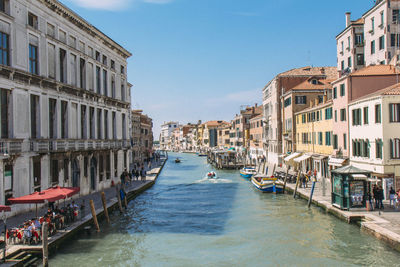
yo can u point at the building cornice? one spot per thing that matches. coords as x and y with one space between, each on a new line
81 23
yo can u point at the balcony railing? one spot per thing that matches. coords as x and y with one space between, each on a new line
11 146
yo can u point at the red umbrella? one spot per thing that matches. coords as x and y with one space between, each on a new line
5 208
50 195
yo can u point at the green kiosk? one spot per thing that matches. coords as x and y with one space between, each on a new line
349 187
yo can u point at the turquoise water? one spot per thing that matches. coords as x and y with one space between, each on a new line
185 220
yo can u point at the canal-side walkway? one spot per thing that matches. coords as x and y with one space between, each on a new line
383 224
85 219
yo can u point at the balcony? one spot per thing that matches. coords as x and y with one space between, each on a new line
8 147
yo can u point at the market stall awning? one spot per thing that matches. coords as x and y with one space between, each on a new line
48 195
350 170
292 156
359 177
336 162
303 157
5 208
319 157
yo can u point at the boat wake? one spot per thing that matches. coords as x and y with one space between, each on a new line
207 180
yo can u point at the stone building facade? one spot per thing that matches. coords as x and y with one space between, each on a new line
65 101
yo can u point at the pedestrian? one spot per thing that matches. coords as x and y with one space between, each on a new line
369 197
143 174
380 197
149 165
122 177
392 196
375 195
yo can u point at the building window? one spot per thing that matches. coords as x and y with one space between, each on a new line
360 59
356 116
334 92
122 91
66 167
342 89
114 125
85 166
395 16
54 171
372 24
63 66
52 118
32 20
35 116
98 56
395 148
382 18
91 123
82 73
365 115
101 168
301 100
335 141
112 64
335 115
122 69
303 118
64 119
105 82
378 148
328 113
378 113
105 124
113 86
4 49
4 6
394 112
320 138
104 60
328 138
33 59
83 122
382 42
115 164
99 128
365 148
123 127
288 102
342 65
4 116
394 40
372 47
72 41
359 39
349 62
73 70
345 141
343 114
98 80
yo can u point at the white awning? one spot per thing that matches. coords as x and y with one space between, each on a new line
359 176
336 162
319 157
304 157
291 156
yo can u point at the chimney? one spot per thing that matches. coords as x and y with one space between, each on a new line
348 19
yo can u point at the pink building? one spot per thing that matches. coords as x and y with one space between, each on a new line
347 88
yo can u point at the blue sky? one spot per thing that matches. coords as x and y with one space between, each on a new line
203 59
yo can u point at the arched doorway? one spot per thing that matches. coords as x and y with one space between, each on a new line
93 171
76 174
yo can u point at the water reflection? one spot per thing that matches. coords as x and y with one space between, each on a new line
184 221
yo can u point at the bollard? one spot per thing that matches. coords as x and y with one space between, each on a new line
119 199
311 194
297 184
284 182
96 223
45 244
103 198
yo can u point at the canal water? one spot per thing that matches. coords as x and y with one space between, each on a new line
186 220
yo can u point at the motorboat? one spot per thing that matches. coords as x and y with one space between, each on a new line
202 155
247 172
212 175
267 184
177 160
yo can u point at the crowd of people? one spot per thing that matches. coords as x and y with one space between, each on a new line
30 231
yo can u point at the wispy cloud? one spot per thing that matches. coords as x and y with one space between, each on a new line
247 97
113 5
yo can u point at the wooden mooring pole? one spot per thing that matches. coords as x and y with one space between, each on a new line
96 223
297 184
45 244
284 182
103 199
311 193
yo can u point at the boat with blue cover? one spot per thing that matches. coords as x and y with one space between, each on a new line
247 172
267 184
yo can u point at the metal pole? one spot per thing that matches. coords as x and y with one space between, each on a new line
5 240
311 194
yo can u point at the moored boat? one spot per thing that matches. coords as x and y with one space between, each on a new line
212 175
177 160
202 155
267 184
247 172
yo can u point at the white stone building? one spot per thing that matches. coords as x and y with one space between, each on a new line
65 101
381 32
350 46
166 133
374 135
